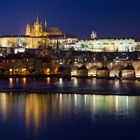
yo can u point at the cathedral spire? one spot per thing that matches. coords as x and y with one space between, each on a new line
45 24
93 35
37 19
28 30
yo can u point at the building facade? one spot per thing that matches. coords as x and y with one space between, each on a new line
107 45
39 35
38 30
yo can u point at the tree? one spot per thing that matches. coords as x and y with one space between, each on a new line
11 44
2 71
71 49
41 44
24 44
137 48
104 49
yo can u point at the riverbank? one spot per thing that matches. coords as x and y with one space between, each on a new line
65 77
65 93
82 86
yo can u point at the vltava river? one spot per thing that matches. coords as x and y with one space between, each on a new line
44 115
74 85
68 116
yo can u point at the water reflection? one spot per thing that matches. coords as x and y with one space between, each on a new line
117 84
75 82
48 80
37 110
72 85
24 81
11 84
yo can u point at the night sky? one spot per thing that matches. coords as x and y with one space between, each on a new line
110 18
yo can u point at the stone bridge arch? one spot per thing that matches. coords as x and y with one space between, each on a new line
137 70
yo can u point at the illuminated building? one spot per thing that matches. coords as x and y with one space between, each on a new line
37 30
24 64
64 41
107 45
37 35
93 35
27 42
40 36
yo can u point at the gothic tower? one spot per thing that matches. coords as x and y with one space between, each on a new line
28 30
45 29
37 28
93 35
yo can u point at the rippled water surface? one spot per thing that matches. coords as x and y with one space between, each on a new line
48 116
59 85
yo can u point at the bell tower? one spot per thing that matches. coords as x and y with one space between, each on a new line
93 35
37 28
45 29
28 30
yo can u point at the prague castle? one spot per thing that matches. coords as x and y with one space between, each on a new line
36 35
39 35
38 30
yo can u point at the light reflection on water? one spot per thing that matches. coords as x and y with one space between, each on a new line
35 108
11 83
24 81
73 85
68 115
40 113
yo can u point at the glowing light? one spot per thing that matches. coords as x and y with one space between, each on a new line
4 105
60 81
48 80
61 63
74 72
117 103
85 99
117 83
11 82
23 69
60 99
75 82
47 71
94 102
127 102
24 81
75 99
17 80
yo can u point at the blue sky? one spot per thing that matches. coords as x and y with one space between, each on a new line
110 18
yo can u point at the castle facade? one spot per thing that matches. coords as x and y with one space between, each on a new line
40 30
